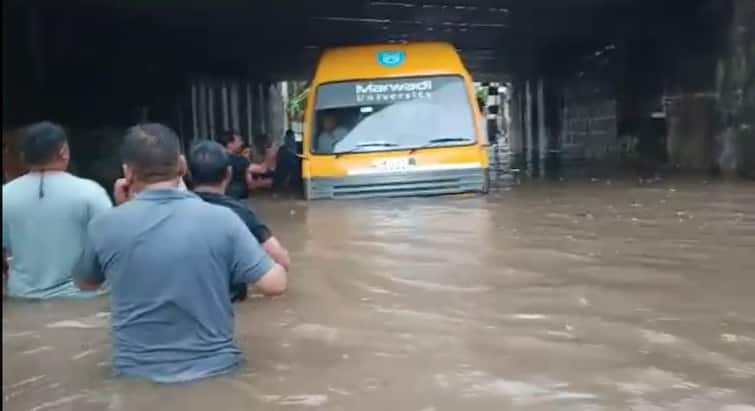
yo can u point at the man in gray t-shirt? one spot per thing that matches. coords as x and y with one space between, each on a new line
170 259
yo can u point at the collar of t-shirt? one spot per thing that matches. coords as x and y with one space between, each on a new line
164 194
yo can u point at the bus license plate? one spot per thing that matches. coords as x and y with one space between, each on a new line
394 164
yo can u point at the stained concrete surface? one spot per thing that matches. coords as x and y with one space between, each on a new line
575 296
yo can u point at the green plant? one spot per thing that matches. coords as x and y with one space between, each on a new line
481 91
297 103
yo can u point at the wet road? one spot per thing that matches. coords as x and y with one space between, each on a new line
580 296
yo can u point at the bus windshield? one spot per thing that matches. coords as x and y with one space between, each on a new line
392 114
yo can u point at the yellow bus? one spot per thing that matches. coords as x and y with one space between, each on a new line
393 120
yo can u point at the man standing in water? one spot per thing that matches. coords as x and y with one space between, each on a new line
288 167
171 259
211 173
45 217
234 146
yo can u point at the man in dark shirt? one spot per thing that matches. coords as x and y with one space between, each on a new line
211 173
238 187
288 167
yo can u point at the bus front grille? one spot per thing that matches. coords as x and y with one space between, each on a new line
399 184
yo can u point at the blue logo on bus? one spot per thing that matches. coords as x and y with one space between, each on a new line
391 58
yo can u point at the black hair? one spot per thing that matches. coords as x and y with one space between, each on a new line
152 150
41 142
228 137
208 163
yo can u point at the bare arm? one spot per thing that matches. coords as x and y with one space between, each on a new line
273 283
251 264
277 252
6 268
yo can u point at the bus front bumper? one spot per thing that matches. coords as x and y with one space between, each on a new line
401 184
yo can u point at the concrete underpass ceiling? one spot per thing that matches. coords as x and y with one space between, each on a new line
282 38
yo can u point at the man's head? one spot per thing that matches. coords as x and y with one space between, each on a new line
232 142
209 164
152 154
289 139
329 122
246 152
45 145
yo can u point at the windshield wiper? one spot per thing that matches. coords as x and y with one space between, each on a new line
441 140
360 146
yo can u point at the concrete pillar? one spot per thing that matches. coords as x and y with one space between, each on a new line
277 113
213 133
236 106
224 106
249 99
285 97
516 133
263 118
194 112
542 139
740 71
529 127
202 110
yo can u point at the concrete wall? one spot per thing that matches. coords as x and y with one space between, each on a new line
590 129
690 119
680 97
710 92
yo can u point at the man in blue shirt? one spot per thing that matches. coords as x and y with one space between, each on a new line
45 217
171 259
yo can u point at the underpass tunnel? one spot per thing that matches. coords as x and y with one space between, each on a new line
591 86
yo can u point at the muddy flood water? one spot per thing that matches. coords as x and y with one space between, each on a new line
571 296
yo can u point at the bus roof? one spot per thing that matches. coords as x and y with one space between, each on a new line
362 62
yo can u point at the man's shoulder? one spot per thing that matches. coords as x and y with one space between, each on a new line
135 211
217 211
237 159
16 184
227 202
10 186
85 185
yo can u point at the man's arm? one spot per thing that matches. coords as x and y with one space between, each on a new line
99 202
273 283
264 236
277 252
251 265
6 268
6 244
88 274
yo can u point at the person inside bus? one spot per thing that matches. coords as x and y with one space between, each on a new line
211 172
171 259
45 217
330 134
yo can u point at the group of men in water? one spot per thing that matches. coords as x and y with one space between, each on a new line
172 260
